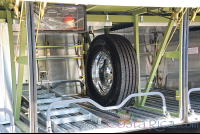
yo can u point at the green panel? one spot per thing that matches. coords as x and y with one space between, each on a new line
13 73
158 110
158 58
125 18
136 45
112 18
174 55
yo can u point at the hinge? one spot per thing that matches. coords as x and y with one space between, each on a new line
177 95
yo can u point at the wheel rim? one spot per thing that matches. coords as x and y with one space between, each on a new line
102 73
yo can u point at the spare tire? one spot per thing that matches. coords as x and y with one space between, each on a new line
111 70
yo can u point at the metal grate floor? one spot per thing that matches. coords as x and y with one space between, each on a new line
109 119
171 102
156 101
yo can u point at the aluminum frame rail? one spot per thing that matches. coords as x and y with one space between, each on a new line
184 49
48 122
12 124
189 105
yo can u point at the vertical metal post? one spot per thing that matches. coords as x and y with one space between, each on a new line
32 67
180 69
185 40
158 58
88 38
106 30
23 36
137 48
12 57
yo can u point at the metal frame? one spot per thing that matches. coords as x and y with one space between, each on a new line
21 66
185 42
137 46
12 124
135 19
180 70
181 55
158 58
13 72
141 101
192 116
190 91
32 67
48 122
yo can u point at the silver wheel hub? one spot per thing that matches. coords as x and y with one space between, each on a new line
102 73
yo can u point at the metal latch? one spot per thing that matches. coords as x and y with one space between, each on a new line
177 95
29 113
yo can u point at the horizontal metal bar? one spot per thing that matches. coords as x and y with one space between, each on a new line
45 95
98 24
146 54
42 91
58 57
58 46
40 101
191 90
45 107
158 110
54 81
57 43
147 44
103 108
24 59
152 20
12 125
71 119
4 122
64 111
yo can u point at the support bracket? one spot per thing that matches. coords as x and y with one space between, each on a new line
174 54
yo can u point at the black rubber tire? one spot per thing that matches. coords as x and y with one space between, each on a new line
125 69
